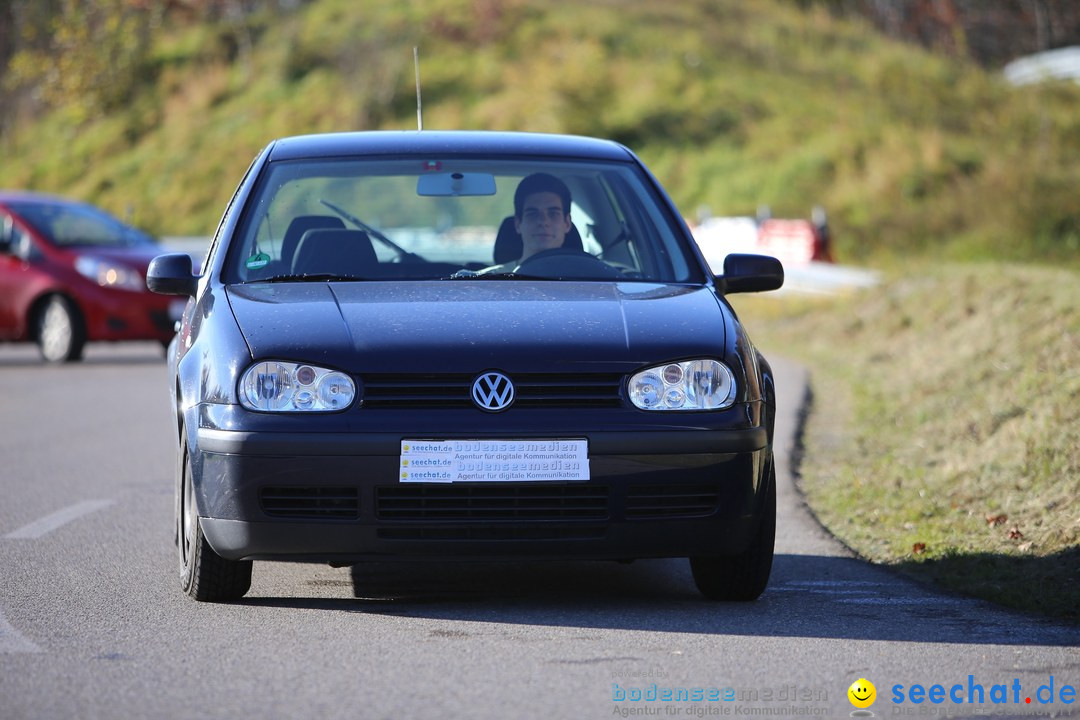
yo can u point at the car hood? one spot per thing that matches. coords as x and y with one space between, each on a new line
467 327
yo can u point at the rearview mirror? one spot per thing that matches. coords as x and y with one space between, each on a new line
171 275
455 184
750 273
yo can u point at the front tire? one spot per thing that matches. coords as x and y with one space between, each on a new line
204 575
59 331
742 577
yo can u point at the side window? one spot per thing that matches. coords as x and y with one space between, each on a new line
23 245
7 229
13 240
585 225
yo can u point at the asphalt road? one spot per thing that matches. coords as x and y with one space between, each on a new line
93 623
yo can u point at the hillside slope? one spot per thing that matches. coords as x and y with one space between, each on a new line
734 105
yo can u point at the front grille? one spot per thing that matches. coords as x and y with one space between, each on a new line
646 501
575 390
495 532
310 502
455 503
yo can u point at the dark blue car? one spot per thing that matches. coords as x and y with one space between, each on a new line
465 345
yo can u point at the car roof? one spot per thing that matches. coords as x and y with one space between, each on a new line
442 143
24 196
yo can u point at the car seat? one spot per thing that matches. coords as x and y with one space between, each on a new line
509 246
335 252
300 225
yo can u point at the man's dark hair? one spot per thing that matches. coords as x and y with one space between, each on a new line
538 183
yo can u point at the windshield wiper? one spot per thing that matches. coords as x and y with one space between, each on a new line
496 276
402 252
309 277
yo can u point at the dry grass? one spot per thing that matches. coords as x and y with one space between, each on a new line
945 430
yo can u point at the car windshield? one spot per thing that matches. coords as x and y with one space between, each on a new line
78 225
452 219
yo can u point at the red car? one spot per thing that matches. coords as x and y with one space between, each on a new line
71 273
795 242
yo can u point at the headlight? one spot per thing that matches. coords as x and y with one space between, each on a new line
274 386
110 275
690 385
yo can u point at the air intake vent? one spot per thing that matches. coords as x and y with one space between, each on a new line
310 502
482 533
646 501
450 503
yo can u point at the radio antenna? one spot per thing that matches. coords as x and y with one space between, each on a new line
419 105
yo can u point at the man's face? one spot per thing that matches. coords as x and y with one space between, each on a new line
543 223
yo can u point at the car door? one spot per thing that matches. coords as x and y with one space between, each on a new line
20 279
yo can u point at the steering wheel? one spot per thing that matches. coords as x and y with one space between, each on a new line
566 263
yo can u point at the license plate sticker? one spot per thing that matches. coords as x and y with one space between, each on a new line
450 461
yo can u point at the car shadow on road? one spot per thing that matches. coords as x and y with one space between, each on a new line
808 596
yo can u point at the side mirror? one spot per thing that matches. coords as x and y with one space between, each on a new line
751 273
171 275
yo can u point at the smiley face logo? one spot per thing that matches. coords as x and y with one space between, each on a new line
862 693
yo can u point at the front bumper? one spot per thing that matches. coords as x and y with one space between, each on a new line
113 315
625 442
334 497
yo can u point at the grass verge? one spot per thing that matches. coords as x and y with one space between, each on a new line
944 433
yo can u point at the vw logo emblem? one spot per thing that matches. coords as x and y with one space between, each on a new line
493 391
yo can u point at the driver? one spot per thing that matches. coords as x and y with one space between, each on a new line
541 217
